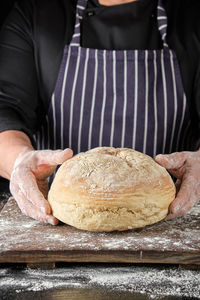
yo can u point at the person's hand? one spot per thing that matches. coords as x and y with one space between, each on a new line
185 166
29 181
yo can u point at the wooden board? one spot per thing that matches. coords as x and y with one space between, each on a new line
24 240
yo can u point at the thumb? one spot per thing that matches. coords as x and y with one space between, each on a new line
54 157
171 161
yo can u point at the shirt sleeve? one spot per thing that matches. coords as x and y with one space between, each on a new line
20 106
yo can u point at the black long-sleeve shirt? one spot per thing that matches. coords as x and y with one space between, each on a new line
36 31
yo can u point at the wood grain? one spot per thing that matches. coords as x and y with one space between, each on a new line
24 240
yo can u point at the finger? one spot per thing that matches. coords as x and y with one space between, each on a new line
32 211
26 182
184 209
171 161
184 194
53 157
42 172
169 217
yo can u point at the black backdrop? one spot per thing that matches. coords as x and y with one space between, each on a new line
5 7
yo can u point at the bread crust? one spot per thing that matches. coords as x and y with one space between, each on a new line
107 189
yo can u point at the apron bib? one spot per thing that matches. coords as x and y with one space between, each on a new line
119 98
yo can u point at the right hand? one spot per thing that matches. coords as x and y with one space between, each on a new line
29 181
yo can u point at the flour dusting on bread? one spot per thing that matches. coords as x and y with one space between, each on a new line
106 189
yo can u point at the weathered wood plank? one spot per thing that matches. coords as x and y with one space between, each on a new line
24 240
41 257
41 265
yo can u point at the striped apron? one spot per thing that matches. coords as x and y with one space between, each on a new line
119 98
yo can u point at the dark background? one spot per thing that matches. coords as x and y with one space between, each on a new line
5 7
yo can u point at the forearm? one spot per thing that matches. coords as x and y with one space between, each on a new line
12 142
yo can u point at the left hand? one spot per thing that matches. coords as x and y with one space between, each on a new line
185 166
29 181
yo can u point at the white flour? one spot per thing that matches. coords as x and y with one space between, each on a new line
19 232
157 282
95 171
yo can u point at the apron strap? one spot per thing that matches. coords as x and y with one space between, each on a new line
80 7
162 22
82 4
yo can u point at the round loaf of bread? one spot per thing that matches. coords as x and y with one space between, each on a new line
106 189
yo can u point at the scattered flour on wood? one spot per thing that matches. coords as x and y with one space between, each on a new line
20 232
155 281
